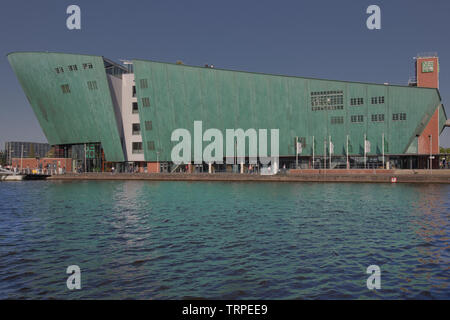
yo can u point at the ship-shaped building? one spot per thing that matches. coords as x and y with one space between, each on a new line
104 114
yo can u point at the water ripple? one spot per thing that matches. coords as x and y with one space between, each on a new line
187 240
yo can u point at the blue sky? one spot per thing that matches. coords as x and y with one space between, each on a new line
315 38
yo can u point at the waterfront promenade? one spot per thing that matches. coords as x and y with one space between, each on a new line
375 176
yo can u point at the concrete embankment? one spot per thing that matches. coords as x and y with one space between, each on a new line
376 176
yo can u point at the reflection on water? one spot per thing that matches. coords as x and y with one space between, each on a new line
168 240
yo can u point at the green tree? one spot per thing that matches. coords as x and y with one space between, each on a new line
51 152
31 154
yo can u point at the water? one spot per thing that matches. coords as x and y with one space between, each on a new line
178 240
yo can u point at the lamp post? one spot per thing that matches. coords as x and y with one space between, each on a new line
382 143
431 152
157 161
21 159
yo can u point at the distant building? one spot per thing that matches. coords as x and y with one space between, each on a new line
13 149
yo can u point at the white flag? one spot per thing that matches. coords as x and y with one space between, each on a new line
367 146
299 147
331 147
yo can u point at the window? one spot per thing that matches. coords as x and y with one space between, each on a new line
377 100
136 129
148 125
92 85
65 88
135 107
137 147
378 117
87 65
134 91
399 116
327 100
357 118
73 67
146 102
144 84
337 120
59 70
356 101
151 145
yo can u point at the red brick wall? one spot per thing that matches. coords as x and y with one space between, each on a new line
432 128
152 167
428 79
33 163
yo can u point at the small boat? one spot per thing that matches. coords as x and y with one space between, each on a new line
8 175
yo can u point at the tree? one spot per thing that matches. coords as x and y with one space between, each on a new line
179 62
2 158
51 152
31 153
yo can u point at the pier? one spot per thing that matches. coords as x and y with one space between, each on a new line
372 176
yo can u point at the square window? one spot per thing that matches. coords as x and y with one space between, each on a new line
135 108
146 102
136 129
137 147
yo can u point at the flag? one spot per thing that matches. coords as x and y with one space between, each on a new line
299 147
367 146
331 147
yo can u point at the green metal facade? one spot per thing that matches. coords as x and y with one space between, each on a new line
225 99
79 116
178 95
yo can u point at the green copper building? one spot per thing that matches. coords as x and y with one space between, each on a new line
106 114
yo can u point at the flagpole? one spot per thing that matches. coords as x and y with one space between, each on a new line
296 152
383 149
365 166
325 153
330 152
313 151
348 167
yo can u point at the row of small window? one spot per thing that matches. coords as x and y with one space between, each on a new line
136 127
341 107
337 120
377 100
356 101
319 93
327 100
137 147
92 85
399 116
378 117
358 118
73 67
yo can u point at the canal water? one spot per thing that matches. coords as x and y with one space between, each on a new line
215 240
